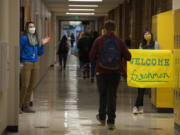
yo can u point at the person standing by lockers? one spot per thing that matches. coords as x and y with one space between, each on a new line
30 50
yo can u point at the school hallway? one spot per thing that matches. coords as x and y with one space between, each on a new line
66 104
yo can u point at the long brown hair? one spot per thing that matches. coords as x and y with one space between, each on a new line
27 31
63 40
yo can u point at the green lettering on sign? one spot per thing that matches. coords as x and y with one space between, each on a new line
148 77
150 61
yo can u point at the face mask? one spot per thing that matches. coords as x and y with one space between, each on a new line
32 30
147 37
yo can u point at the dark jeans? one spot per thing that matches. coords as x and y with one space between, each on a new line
85 70
63 59
81 64
72 44
140 97
93 69
107 86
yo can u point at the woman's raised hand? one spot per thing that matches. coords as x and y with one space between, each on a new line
45 40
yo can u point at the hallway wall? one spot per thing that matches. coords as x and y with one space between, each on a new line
42 18
9 36
35 10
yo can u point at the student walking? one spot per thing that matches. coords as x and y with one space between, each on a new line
63 52
108 51
84 45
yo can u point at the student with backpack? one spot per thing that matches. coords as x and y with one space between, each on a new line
108 52
63 52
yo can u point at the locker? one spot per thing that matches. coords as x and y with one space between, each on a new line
162 27
177 67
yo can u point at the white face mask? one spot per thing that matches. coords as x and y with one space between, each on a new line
32 30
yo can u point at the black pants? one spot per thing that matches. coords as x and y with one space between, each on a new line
63 59
107 86
72 43
140 97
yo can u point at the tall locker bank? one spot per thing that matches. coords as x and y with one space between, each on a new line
163 31
177 68
166 30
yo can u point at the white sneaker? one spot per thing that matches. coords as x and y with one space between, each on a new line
135 110
141 110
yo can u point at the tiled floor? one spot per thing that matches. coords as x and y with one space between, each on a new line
66 105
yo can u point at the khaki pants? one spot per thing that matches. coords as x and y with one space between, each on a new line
29 75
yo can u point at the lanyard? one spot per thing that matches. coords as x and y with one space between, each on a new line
34 53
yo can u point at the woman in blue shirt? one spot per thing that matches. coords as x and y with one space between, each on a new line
30 50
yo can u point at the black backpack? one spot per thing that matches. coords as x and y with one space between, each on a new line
63 48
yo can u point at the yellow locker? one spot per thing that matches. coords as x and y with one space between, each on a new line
163 30
177 67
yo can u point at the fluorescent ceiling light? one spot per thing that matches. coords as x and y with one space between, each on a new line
74 22
80 13
83 6
81 9
85 0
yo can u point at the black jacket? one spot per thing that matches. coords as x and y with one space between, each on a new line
63 48
84 46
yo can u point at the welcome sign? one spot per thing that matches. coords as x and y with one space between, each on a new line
151 69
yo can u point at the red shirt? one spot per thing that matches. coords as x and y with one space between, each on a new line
96 52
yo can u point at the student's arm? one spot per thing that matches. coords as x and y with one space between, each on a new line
92 54
157 46
124 50
140 46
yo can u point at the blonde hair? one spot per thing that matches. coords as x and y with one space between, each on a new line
81 35
103 31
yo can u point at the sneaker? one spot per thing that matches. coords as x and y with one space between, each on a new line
111 126
28 110
102 122
135 110
141 110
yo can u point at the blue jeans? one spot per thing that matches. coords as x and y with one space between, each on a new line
84 66
81 64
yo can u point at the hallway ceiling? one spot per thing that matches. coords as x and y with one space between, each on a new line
60 7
